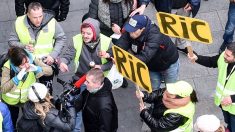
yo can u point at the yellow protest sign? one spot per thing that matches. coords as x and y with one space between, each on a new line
184 27
132 68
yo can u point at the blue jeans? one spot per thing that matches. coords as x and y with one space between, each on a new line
78 120
169 76
230 120
230 25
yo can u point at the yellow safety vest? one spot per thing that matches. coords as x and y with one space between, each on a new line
78 42
187 111
20 94
44 41
223 90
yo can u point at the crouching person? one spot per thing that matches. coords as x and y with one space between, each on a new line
40 114
173 110
99 110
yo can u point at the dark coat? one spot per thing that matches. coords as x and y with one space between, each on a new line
155 118
99 110
60 7
155 49
167 5
31 122
116 16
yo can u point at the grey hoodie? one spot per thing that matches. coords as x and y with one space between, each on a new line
88 54
59 35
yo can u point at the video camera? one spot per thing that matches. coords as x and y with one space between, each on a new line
66 98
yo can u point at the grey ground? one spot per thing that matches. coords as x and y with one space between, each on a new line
203 79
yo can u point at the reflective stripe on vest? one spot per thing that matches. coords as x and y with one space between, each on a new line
19 95
44 41
78 42
187 111
228 89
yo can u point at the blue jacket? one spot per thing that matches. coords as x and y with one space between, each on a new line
166 5
7 125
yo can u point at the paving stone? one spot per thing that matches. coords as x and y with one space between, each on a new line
4 9
215 5
11 6
223 16
213 20
73 21
79 4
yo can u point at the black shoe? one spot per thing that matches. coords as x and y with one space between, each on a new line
184 51
222 47
124 83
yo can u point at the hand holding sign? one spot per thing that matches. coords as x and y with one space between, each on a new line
192 58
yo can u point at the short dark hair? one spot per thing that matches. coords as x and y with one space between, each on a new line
193 97
34 6
98 75
231 47
16 55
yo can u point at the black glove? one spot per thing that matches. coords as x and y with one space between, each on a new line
64 115
60 18
70 101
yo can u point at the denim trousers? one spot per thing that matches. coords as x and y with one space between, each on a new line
170 75
230 120
78 120
230 25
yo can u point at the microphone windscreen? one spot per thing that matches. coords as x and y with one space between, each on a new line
79 82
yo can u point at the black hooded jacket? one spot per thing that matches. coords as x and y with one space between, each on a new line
152 47
99 110
31 122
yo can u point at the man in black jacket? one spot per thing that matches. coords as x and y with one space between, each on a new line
144 40
99 110
60 7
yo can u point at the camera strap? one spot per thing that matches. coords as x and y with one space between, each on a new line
37 95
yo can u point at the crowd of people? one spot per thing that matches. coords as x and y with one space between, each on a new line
38 51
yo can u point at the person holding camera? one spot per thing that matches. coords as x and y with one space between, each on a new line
99 110
40 114
19 72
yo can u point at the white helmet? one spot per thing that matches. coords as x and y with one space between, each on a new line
37 92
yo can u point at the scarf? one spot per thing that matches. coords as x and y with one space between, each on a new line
92 44
104 13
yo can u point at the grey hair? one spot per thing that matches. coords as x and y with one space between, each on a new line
98 75
34 6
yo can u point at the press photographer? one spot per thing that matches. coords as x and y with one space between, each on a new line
40 114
